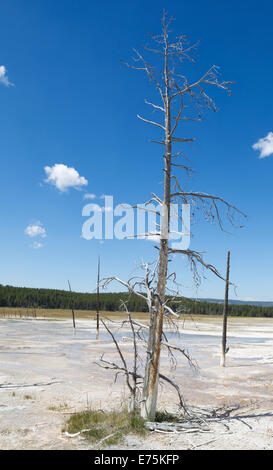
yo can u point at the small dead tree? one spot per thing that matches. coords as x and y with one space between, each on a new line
71 306
225 315
181 100
134 375
98 301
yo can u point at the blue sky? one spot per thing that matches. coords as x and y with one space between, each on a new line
74 103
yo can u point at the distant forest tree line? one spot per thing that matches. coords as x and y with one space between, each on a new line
24 297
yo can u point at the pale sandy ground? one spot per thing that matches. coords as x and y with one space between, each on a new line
44 365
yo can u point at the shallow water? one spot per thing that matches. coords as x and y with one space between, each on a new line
44 330
39 350
59 338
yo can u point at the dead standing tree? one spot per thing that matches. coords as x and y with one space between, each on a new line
225 315
98 301
180 100
71 306
145 288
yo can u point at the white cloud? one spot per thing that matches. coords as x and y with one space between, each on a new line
3 76
89 196
265 145
37 245
64 177
35 230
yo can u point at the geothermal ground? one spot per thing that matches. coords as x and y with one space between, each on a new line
48 372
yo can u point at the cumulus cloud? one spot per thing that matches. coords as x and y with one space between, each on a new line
89 196
64 177
264 146
3 76
36 230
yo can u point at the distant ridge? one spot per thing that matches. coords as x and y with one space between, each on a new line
258 303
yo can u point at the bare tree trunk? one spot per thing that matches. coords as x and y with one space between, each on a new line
98 301
71 305
225 315
150 387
